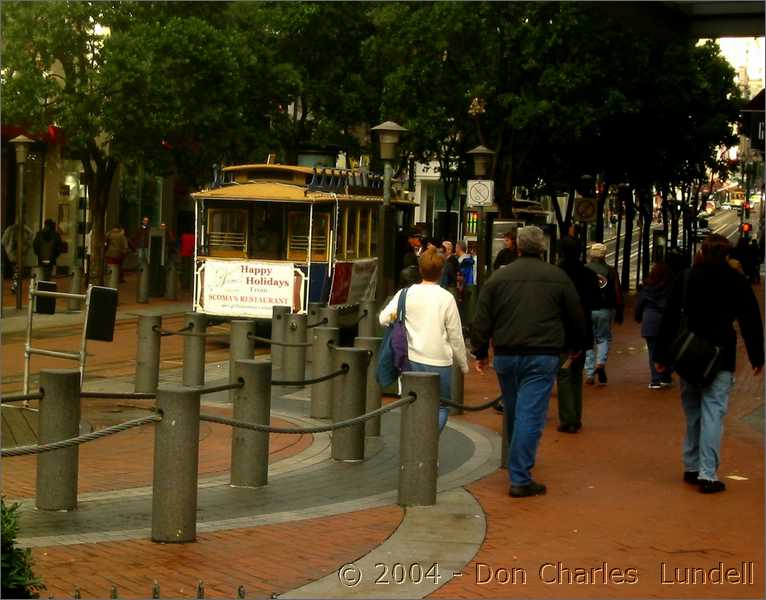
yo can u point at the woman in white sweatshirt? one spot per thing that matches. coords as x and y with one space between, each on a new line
434 332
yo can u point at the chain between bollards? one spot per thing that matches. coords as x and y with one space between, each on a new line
119 395
305 430
471 407
224 387
317 324
23 397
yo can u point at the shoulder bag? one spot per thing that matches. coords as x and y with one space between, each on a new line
393 359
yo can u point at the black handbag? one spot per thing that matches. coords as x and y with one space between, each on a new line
696 359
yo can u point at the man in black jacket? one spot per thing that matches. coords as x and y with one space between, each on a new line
531 312
711 296
569 381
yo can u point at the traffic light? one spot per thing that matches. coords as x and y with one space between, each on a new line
747 210
746 229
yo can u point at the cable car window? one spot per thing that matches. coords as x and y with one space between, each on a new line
267 234
364 232
298 236
227 232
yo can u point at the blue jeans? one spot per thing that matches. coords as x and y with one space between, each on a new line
602 334
526 382
445 386
665 376
705 409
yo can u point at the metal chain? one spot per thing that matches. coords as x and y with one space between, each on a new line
120 395
343 369
80 439
23 397
318 428
181 332
471 407
318 323
258 338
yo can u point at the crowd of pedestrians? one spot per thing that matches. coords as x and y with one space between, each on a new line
547 325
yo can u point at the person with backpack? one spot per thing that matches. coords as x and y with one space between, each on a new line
47 246
608 307
434 331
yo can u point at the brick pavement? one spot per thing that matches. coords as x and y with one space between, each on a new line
615 497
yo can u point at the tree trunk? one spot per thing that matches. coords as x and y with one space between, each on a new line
598 234
646 231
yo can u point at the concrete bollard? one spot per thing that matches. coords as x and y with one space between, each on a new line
458 385
142 290
312 318
252 404
349 392
374 395
194 350
176 459
294 357
171 281
321 393
75 287
148 353
113 276
419 445
278 324
241 347
368 321
331 314
59 419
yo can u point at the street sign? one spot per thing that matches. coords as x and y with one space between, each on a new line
480 192
585 210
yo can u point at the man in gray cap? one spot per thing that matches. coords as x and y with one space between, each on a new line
608 307
532 313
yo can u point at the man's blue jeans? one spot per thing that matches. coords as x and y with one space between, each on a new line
526 382
705 409
445 387
602 334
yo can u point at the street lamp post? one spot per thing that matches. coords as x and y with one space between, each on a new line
482 156
389 133
21 144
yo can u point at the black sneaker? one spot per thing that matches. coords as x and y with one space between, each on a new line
655 386
601 374
530 489
568 428
711 487
691 477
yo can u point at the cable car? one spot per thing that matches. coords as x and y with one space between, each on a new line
280 235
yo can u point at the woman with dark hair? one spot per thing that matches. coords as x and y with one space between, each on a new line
648 311
710 296
434 331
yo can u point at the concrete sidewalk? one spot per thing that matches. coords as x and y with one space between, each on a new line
617 520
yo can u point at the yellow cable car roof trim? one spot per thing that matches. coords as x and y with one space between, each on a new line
279 192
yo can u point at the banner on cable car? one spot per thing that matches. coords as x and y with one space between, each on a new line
354 281
247 288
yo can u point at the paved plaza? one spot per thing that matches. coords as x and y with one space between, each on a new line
617 519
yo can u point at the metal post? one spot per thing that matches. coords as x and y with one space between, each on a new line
252 404
59 419
194 350
142 291
368 323
171 281
176 459
295 356
114 276
241 347
349 391
278 324
75 287
331 314
457 389
373 395
313 317
148 353
419 445
321 393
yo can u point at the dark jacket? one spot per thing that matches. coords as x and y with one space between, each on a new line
716 296
528 307
611 294
586 284
47 245
449 272
504 257
649 309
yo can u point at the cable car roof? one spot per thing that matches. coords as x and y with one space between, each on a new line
271 191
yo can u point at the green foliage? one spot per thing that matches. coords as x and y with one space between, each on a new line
18 580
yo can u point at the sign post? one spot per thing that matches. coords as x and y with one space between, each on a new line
480 194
